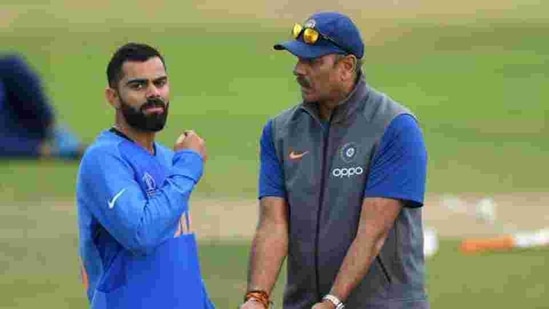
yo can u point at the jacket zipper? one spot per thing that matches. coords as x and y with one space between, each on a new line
326 135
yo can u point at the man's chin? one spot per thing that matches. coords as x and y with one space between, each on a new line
150 129
157 128
307 98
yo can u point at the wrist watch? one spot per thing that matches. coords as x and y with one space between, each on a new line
334 300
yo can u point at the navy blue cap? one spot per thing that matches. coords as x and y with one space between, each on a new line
334 25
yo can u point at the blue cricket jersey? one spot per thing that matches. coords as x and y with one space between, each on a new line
398 168
130 204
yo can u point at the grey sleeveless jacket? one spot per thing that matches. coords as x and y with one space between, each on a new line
325 173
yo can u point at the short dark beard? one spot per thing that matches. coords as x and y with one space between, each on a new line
137 118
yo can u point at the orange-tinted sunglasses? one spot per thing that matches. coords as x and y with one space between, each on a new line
311 36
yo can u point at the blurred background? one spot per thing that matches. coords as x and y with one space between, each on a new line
474 72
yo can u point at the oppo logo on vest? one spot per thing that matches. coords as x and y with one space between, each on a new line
347 172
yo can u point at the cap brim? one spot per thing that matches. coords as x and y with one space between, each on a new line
303 50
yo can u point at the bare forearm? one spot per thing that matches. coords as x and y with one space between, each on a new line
269 248
356 263
377 218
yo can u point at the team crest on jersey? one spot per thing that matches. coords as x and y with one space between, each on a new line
150 183
349 152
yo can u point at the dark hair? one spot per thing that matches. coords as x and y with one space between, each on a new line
129 52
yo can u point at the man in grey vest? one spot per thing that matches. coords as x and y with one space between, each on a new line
341 185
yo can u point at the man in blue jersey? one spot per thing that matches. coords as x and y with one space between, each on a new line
342 182
136 247
28 126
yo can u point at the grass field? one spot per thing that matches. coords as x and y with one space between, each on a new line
478 89
38 266
477 84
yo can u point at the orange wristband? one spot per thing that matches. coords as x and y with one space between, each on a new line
258 295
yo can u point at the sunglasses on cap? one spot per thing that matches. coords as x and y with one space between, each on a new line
311 36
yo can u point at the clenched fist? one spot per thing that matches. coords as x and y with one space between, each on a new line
190 140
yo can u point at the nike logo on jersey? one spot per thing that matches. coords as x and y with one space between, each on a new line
111 202
296 156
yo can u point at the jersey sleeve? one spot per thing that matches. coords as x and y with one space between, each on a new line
399 166
271 177
139 223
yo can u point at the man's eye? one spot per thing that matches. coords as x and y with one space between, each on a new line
313 61
137 86
316 61
160 83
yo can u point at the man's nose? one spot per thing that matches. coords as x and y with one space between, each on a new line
299 68
152 91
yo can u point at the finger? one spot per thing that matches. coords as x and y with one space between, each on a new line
180 139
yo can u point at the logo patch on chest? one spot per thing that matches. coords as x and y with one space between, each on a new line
347 172
349 152
150 184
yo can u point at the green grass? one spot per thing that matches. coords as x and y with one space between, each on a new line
507 280
38 266
477 88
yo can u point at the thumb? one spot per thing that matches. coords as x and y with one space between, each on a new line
180 139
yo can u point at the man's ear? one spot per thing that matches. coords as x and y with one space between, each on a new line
348 64
352 63
112 97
